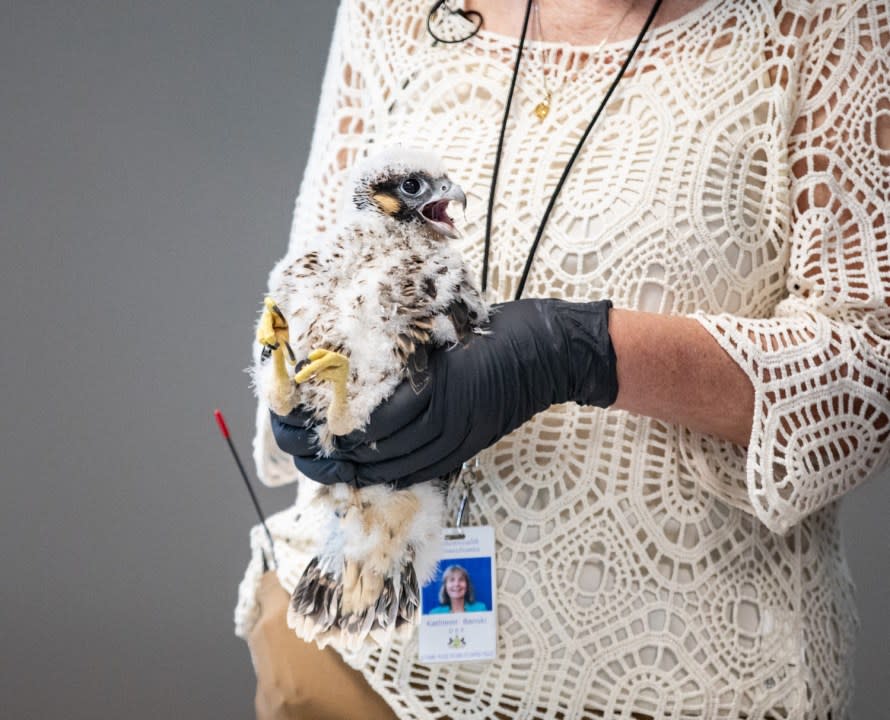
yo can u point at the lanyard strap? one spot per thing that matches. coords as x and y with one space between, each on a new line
567 168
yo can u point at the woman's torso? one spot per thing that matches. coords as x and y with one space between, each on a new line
625 584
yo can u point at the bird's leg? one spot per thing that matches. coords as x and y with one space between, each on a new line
372 586
273 334
350 580
390 520
361 587
334 367
362 584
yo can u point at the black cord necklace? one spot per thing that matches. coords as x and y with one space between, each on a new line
575 153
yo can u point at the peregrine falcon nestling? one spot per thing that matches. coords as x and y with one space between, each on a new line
354 310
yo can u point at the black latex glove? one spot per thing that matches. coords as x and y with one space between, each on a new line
537 353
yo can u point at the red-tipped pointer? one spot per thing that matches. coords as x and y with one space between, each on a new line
221 421
224 429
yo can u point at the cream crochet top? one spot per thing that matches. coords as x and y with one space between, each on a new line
740 175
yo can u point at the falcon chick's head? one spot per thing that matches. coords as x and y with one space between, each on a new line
406 186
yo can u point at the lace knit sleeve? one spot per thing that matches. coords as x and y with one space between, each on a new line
821 365
337 138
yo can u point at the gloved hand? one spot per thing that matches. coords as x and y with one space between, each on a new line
537 353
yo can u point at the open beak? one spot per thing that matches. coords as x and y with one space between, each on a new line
435 211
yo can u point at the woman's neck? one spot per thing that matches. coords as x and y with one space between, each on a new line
579 22
457 606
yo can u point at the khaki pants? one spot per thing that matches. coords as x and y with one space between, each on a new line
296 680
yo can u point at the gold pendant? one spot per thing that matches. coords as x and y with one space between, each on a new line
542 109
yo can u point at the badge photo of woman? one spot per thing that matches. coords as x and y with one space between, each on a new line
456 593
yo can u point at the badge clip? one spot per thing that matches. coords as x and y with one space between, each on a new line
469 474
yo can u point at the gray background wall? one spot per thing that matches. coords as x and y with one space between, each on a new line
149 155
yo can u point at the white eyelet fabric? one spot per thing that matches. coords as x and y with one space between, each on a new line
741 176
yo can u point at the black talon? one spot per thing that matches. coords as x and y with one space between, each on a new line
267 351
279 313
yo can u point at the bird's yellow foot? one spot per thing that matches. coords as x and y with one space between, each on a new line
325 365
272 331
273 334
333 367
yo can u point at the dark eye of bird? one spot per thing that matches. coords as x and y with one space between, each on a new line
411 186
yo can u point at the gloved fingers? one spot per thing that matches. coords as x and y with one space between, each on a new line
414 436
401 410
326 471
417 433
419 464
472 444
294 433
440 457
441 466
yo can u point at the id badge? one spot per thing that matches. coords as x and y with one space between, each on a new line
458 607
